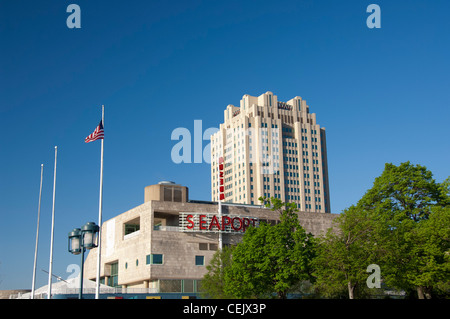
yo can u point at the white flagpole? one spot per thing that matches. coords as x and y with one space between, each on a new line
100 208
49 292
37 236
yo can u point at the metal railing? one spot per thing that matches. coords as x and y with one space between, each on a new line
166 228
86 291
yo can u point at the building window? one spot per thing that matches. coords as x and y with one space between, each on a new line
154 259
172 194
177 194
113 279
188 285
199 260
131 226
167 194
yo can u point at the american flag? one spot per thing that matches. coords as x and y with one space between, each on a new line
96 135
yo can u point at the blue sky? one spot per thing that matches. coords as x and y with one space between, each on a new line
382 94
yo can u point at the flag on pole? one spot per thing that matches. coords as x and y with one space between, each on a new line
98 134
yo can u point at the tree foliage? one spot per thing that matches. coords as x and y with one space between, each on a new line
344 253
429 255
404 192
271 258
213 282
403 202
401 224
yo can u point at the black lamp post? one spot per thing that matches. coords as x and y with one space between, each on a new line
79 241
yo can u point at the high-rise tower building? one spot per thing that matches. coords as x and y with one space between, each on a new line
270 148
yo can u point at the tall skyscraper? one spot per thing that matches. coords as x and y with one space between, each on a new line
270 148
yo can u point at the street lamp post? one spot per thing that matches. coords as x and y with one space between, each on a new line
79 241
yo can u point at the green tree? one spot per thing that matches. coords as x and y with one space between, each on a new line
446 186
344 253
429 242
401 202
213 282
405 192
271 258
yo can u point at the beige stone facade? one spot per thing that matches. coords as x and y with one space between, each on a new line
146 248
274 149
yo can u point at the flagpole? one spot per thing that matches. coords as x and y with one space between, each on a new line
100 208
37 236
49 293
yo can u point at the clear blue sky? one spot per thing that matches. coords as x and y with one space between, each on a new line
382 94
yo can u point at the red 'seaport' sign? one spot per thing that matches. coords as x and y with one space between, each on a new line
206 222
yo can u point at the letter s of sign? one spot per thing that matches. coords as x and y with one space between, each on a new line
190 221
74 20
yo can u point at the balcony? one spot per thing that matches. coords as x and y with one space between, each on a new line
166 228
